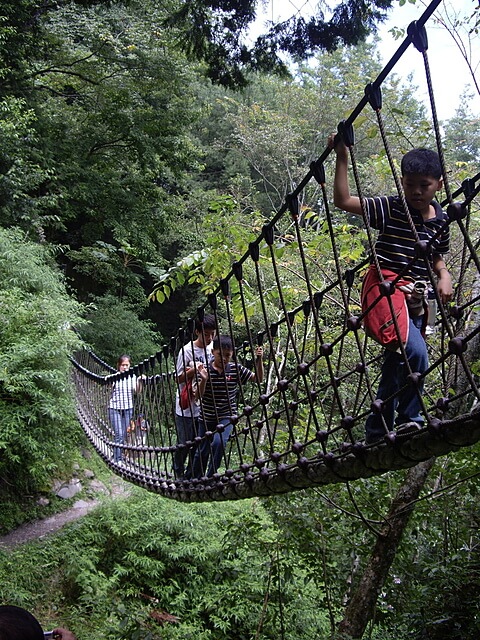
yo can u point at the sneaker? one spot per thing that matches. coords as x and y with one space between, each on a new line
375 440
408 428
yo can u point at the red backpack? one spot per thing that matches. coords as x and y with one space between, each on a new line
378 322
186 395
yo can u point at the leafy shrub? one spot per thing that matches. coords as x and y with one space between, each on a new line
38 423
216 571
114 328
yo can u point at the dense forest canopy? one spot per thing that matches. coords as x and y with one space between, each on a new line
105 127
144 145
217 33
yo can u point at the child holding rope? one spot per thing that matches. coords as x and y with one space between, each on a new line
395 257
218 388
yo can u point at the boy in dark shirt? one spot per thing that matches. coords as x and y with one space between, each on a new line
395 249
218 390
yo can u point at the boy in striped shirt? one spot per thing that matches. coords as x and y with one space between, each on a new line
218 390
399 403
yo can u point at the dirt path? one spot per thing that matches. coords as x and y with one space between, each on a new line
38 529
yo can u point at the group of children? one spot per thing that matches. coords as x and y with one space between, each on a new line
208 380
205 369
207 362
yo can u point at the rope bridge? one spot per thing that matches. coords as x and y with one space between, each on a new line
302 422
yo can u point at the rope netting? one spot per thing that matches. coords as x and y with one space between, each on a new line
297 419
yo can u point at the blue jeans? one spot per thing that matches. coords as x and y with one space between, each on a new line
394 374
120 421
213 449
187 428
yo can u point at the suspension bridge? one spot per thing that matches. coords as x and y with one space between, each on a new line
303 423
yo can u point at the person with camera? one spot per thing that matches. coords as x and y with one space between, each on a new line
19 624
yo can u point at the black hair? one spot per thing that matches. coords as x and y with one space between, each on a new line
120 360
208 322
423 162
224 343
18 624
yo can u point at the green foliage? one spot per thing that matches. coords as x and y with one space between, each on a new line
214 31
36 340
462 140
115 270
228 230
221 570
114 328
22 198
432 590
256 569
97 149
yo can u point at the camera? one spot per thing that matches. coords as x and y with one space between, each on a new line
419 289
418 298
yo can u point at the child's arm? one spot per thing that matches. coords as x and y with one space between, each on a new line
201 380
444 284
258 374
341 188
141 380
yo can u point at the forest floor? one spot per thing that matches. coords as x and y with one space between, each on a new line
41 528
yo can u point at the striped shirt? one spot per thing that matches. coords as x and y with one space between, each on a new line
220 397
122 393
395 245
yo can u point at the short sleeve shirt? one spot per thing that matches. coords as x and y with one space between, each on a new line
187 354
220 397
122 393
395 245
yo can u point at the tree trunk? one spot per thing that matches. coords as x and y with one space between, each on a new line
360 609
